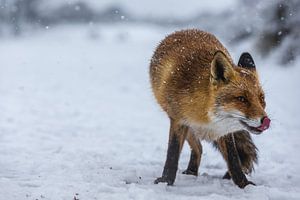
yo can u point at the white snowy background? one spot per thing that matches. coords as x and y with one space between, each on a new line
78 119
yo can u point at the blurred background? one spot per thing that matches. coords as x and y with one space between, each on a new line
272 25
77 116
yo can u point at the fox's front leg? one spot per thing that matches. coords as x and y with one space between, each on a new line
230 154
246 149
176 139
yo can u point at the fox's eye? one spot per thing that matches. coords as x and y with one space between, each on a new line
242 99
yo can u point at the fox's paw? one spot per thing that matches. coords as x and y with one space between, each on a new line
244 184
227 176
164 180
190 172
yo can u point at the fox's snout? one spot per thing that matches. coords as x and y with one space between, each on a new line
265 124
257 128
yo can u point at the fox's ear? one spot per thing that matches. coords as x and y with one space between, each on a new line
246 61
221 68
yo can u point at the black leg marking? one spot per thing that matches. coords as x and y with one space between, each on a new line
193 165
234 164
171 165
246 149
227 176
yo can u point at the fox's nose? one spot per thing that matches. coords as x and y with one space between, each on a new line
265 124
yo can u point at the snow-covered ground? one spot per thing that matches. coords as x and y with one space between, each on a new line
78 121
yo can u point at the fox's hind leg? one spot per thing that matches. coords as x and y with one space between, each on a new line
229 151
196 153
177 136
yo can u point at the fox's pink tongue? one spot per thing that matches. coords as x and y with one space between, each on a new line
265 124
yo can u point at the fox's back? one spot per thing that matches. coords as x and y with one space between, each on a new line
180 66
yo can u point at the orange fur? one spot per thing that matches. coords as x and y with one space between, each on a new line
207 97
184 85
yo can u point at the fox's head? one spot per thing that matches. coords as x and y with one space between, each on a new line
239 98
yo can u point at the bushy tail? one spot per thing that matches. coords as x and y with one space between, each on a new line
246 149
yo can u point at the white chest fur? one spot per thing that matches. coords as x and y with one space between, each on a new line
218 127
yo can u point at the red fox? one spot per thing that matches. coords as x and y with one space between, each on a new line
208 97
